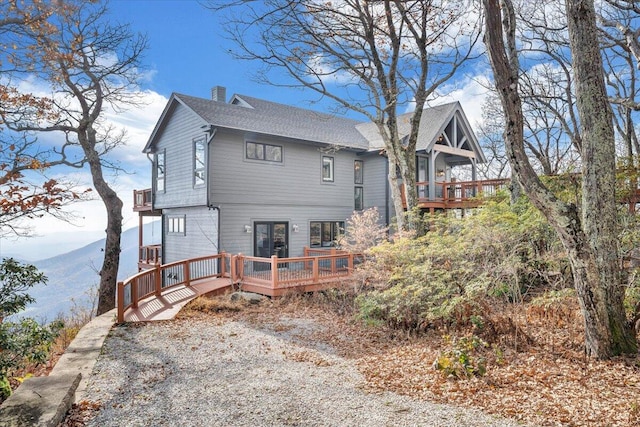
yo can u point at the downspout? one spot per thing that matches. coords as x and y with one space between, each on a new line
211 131
153 207
386 194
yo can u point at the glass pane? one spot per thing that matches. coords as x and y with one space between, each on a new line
263 240
251 150
357 172
327 168
358 204
160 164
274 153
315 238
327 238
199 155
199 177
280 240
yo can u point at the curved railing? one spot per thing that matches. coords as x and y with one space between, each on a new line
163 277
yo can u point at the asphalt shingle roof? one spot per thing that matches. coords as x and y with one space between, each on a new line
432 124
278 119
249 114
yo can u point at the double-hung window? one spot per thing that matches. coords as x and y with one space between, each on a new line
199 162
327 169
160 171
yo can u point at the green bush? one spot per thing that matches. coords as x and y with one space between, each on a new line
460 358
24 341
506 251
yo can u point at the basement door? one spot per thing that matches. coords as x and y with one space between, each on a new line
271 238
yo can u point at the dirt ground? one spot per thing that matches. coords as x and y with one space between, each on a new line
526 363
536 370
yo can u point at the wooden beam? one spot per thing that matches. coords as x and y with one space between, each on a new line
455 151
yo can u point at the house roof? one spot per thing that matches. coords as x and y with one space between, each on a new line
251 114
264 117
433 122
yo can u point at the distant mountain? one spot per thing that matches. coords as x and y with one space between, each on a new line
73 276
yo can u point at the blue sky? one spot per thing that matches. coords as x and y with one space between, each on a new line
187 54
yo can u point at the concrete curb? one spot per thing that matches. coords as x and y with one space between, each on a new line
44 401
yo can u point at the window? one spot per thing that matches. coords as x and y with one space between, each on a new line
199 162
267 152
327 169
358 198
358 176
175 224
160 171
325 233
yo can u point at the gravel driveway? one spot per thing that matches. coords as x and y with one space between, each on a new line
210 372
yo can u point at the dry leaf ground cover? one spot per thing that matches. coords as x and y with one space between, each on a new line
535 367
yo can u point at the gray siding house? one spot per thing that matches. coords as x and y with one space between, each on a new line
260 178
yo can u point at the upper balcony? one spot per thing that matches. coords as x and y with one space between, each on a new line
456 194
143 200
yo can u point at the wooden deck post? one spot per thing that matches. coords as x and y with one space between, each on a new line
316 269
120 302
350 263
134 293
274 271
223 264
187 273
157 277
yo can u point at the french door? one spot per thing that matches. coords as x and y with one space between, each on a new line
271 238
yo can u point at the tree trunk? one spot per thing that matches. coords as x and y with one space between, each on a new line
607 334
113 205
589 243
396 192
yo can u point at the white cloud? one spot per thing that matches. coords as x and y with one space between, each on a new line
90 216
471 92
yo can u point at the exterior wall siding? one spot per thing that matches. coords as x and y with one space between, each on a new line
375 185
292 191
200 236
296 181
176 141
234 238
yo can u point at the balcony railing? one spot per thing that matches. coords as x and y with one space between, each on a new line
149 256
142 200
457 194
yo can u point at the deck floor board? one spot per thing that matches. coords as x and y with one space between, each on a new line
172 300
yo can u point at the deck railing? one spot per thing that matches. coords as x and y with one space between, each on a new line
150 255
163 277
142 199
460 191
270 276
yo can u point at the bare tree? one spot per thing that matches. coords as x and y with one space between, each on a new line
590 238
25 190
91 65
490 132
375 58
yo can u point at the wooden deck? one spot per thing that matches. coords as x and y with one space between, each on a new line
455 194
167 305
159 293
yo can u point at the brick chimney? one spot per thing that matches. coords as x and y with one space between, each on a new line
219 93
